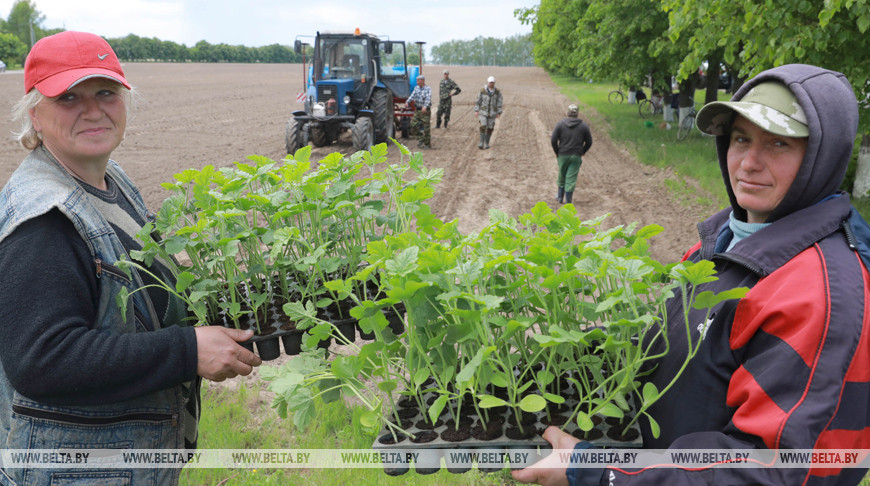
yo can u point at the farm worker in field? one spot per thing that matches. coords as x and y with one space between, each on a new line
422 98
446 91
487 108
77 372
571 140
787 366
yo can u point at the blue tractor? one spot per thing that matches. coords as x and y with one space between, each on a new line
358 83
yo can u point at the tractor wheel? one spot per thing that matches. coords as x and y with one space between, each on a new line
405 126
293 136
363 134
319 137
382 106
391 127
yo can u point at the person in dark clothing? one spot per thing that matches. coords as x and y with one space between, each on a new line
77 371
639 95
571 140
787 365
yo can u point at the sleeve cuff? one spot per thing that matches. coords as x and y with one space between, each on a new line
585 476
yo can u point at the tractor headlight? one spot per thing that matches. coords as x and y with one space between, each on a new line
346 99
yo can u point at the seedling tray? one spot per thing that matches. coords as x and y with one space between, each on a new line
604 434
266 343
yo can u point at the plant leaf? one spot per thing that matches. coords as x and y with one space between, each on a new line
650 393
369 418
533 403
489 401
654 426
611 410
584 421
436 408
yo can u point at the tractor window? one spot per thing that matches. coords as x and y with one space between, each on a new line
344 58
392 64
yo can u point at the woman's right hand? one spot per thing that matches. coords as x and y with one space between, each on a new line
548 471
219 355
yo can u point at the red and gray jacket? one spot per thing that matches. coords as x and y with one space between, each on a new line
788 365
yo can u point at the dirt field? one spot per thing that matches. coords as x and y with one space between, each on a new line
191 115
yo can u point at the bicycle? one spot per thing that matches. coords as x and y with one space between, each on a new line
616 96
687 124
650 107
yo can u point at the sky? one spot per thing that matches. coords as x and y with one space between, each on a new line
255 23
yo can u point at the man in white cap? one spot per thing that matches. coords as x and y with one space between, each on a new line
487 108
446 91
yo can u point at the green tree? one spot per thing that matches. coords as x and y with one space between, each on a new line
624 41
11 48
25 22
489 51
754 35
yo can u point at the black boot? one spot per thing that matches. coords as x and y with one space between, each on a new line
486 144
568 197
482 138
438 123
560 196
445 124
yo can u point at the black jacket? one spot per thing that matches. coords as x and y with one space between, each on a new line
571 137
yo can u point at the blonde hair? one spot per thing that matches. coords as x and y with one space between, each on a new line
27 135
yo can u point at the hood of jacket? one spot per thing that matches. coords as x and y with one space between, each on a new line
831 109
571 121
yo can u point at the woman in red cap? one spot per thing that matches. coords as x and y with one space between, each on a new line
77 372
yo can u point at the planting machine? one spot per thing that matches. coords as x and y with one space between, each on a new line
356 82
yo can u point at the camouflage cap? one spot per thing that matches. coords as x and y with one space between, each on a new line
770 105
573 109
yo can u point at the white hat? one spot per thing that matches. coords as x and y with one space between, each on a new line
446 71
490 79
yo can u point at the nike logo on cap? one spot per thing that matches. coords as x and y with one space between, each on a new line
102 56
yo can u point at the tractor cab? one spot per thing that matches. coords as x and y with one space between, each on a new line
342 68
356 82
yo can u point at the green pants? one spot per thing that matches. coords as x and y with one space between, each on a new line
423 120
569 167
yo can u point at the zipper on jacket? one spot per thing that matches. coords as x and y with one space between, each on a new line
850 236
80 420
110 269
741 261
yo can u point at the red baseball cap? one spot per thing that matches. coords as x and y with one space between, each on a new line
58 62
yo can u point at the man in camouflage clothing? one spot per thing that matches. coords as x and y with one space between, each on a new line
422 99
446 91
487 108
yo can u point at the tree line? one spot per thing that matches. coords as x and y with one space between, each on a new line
651 42
24 27
486 51
135 48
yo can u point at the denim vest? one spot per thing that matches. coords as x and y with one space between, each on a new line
152 421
